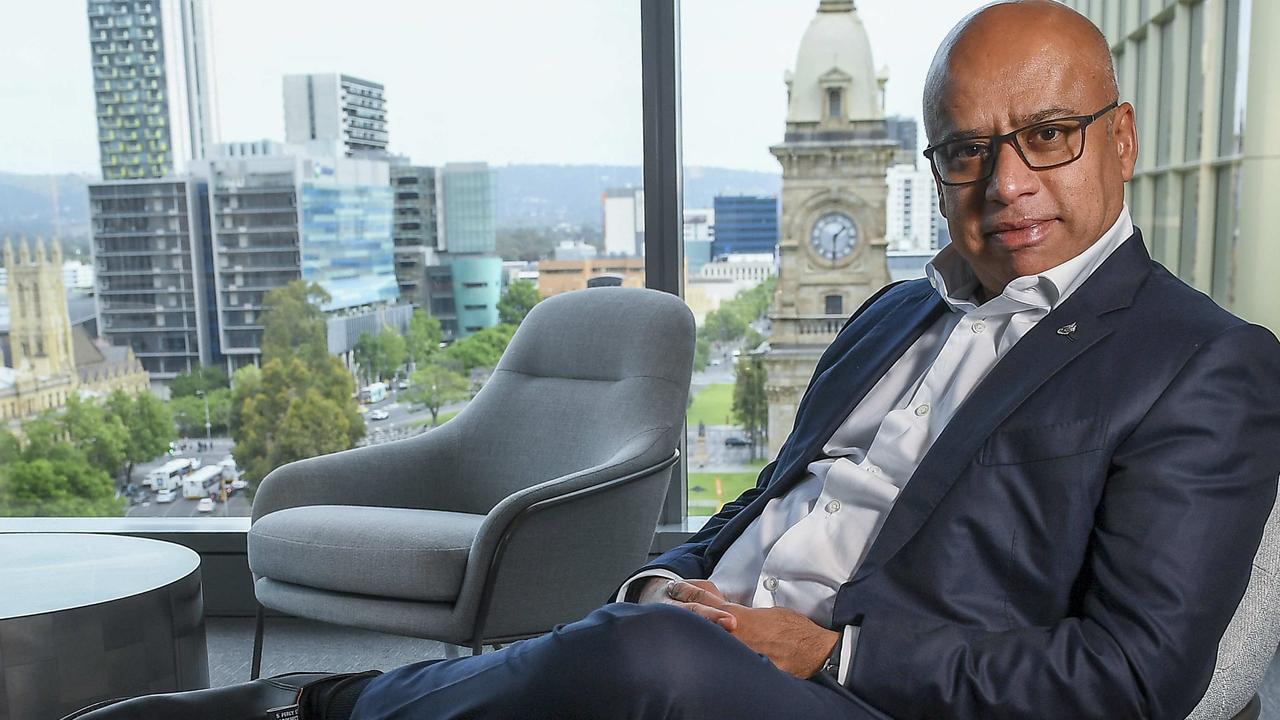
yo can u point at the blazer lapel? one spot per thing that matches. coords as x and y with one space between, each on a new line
1040 354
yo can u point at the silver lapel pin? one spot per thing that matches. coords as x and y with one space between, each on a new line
1069 331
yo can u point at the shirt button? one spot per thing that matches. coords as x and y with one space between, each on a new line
978 327
833 506
771 584
922 410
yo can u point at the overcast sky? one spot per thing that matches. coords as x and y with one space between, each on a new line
505 81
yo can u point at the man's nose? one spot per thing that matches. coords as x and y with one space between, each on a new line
1011 178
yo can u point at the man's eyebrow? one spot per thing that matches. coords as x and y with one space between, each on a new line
1023 121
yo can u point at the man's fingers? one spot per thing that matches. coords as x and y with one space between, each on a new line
688 592
720 617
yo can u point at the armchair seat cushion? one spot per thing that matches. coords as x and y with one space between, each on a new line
389 552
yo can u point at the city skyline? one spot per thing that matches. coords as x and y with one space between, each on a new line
734 56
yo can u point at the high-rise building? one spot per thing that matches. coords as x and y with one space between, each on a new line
329 107
288 215
151 265
745 224
465 221
154 85
906 131
415 230
913 221
1199 74
624 222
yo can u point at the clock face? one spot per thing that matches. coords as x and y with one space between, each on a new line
834 237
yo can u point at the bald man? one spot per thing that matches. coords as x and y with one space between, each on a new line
1028 486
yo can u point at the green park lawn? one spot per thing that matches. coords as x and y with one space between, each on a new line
702 490
712 405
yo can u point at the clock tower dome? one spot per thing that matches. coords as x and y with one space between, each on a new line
834 158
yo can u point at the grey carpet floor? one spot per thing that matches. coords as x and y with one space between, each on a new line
295 645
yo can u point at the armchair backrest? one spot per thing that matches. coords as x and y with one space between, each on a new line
1246 648
591 377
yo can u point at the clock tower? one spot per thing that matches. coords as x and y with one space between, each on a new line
834 157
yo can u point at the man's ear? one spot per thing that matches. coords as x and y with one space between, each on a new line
1125 138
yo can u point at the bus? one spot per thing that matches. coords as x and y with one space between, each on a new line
169 475
200 483
374 392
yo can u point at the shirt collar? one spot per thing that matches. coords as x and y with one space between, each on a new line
954 279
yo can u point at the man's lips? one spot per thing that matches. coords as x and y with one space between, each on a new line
1018 234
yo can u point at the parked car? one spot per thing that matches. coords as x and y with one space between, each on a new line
166 495
736 441
379 414
402 385
205 505
238 485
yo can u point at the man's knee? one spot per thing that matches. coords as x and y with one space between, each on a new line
652 647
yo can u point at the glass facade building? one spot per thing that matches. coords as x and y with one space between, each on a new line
745 224
466 198
347 246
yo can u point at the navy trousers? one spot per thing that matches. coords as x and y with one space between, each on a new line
621 661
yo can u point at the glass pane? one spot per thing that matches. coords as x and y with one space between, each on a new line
428 227
1164 128
1187 269
1195 85
821 200
1231 112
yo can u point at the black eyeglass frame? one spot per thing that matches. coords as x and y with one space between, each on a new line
1012 139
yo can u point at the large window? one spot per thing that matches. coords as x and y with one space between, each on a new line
357 151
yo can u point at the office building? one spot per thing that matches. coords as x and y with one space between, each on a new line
335 108
151 266
153 82
623 222
288 215
463 293
699 232
745 224
415 229
558 276
1198 72
906 131
913 221
465 219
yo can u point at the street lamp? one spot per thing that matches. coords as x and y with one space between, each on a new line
208 427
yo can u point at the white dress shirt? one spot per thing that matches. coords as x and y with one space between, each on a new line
808 542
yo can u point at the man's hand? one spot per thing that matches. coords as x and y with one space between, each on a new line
796 645
655 591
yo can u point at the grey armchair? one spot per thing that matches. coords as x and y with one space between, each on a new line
522 512
1246 648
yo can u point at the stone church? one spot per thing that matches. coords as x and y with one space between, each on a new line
50 360
834 157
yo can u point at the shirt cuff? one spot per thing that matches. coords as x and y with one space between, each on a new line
656 572
850 644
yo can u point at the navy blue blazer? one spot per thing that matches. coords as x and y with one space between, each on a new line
1076 540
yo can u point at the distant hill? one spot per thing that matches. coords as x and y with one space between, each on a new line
46 205
546 195
525 195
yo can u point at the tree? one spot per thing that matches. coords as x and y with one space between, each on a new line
750 404
188 412
701 352
149 424
98 433
437 384
301 402
482 349
51 477
517 301
380 356
424 337
204 379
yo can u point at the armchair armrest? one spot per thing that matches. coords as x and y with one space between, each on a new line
409 473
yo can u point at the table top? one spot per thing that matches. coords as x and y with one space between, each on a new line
49 572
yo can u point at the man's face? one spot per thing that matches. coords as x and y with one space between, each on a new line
1021 221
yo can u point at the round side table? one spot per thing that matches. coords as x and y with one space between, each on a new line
89 617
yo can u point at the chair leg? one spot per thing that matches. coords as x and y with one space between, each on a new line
452 651
256 669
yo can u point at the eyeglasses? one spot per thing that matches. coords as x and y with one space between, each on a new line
1044 145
